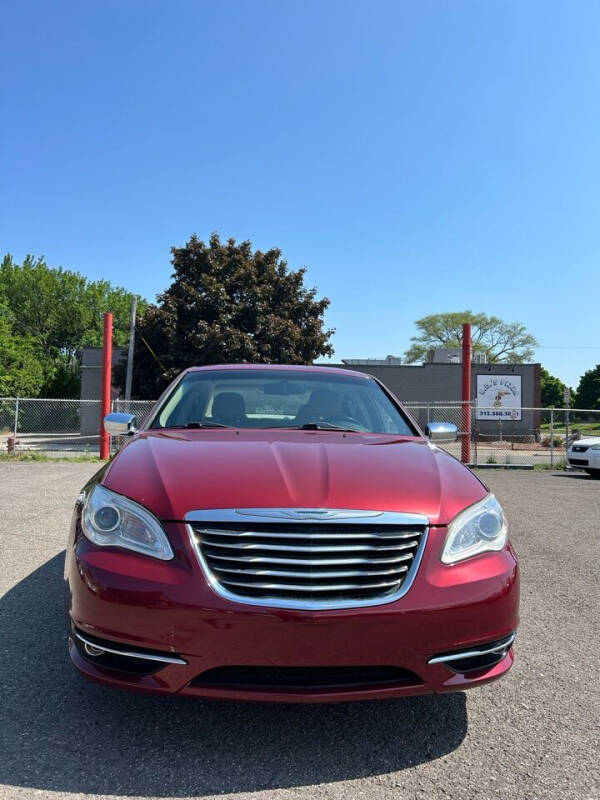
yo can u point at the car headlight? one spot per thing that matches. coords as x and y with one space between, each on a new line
111 519
477 529
594 447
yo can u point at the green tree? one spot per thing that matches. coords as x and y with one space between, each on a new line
507 342
21 371
227 303
45 303
588 391
61 311
553 390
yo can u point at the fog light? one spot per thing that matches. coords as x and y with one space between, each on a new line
92 650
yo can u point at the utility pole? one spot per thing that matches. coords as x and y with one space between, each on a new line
129 375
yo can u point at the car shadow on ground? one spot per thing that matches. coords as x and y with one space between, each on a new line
61 733
578 476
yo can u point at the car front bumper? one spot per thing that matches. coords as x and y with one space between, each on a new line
589 459
167 607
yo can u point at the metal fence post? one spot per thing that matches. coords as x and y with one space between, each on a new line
551 438
107 344
467 368
114 406
566 433
16 424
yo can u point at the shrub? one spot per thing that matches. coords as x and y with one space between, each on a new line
547 441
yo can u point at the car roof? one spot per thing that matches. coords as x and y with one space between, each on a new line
286 367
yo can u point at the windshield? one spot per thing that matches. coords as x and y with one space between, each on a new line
281 399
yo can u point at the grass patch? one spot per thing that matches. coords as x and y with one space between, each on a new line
545 466
587 428
45 457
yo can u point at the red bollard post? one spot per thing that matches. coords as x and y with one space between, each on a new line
466 395
106 384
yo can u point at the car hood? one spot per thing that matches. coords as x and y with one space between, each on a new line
586 441
173 472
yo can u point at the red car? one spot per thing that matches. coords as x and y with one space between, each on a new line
288 533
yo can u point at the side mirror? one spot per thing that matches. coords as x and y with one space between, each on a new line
119 424
441 431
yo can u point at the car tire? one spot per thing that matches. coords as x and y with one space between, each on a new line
594 473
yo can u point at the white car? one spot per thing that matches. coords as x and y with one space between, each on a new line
585 454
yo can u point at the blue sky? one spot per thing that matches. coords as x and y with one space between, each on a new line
416 156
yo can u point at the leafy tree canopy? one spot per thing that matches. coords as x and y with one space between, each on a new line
226 304
553 390
588 391
507 342
57 312
21 372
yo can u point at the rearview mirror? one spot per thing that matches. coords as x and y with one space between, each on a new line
119 424
441 431
283 388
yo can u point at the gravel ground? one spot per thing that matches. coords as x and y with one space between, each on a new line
534 734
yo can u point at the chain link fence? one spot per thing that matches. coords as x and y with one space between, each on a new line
531 437
65 426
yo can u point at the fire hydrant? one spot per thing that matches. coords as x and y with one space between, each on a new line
11 444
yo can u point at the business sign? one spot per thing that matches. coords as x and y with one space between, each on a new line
498 397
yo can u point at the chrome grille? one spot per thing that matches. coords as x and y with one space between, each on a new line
305 564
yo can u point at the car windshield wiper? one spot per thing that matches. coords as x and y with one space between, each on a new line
326 426
205 425
196 424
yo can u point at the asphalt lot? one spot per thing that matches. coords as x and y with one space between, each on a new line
534 734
